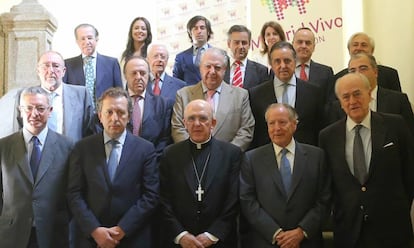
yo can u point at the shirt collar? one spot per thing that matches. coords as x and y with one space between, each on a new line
205 46
132 94
58 90
161 77
94 55
218 89
202 144
290 147
120 139
41 136
374 93
366 122
278 83
243 62
307 63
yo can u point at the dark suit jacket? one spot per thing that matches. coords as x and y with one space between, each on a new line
170 85
322 75
388 101
267 206
380 209
185 69
255 74
108 73
156 122
309 106
219 208
24 200
128 201
387 77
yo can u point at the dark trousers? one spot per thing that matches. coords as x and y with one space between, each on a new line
33 239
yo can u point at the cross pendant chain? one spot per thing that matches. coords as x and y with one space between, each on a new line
199 193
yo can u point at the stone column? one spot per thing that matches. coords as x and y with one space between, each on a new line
25 33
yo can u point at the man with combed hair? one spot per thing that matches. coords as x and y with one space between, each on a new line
370 157
284 187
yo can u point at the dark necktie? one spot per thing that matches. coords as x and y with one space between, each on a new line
113 159
360 169
285 170
35 157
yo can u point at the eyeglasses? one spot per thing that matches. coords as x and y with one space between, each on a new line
39 109
54 66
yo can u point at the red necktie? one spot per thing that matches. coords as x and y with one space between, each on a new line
237 76
156 90
136 116
303 75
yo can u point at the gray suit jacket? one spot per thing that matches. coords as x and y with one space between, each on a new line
235 121
267 206
24 200
77 112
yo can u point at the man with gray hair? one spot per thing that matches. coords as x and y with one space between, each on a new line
33 178
231 107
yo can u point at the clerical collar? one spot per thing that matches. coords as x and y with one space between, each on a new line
202 145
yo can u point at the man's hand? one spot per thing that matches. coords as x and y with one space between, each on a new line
204 240
120 235
103 237
189 241
290 239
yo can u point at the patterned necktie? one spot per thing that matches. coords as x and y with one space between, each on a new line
35 156
360 169
303 75
285 170
90 77
237 76
156 90
136 116
113 159
52 122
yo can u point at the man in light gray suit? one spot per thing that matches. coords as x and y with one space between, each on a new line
73 110
33 179
235 122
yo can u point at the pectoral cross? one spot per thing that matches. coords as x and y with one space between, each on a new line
199 192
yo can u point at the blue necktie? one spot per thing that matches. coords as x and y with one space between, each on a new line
113 159
285 170
35 157
90 77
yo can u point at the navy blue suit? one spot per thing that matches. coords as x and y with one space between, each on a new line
309 106
156 122
387 77
185 69
128 201
108 73
255 74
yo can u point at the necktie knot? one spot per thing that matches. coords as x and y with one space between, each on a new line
358 128
35 141
88 59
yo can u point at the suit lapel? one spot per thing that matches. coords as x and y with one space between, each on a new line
298 168
46 159
271 168
79 71
378 132
223 107
21 156
68 105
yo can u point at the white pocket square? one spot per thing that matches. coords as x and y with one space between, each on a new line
389 144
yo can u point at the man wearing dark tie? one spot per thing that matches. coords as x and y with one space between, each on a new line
151 115
242 72
284 187
370 157
33 179
186 65
305 97
198 185
113 181
161 83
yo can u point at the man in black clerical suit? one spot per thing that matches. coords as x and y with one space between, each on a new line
199 185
